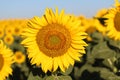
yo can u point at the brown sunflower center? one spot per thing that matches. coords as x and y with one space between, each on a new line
0 32
19 56
53 40
1 61
17 30
8 39
116 21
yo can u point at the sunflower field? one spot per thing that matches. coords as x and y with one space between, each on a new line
60 46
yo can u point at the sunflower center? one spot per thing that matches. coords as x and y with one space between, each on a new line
0 32
8 39
19 56
1 61
53 40
17 30
116 21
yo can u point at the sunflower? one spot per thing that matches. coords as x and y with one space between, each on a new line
8 39
90 26
101 28
54 40
113 24
117 4
6 61
101 13
17 31
9 29
19 57
1 32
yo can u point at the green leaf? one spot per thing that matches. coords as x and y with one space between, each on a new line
18 47
25 69
115 43
87 70
68 71
102 51
50 78
32 77
77 72
97 37
58 78
38 78
64 78
90 58
107 75
108 63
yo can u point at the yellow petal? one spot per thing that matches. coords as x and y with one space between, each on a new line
55 64
48 65
48 16
74 54
70 60
81 42
60 64
77 46
53 16
65 61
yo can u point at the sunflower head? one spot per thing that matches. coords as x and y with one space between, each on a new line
90 28
8 39
17 30
6 60
100 27
1 32
54 40
9 29
101 13
19 57
117 4
113 24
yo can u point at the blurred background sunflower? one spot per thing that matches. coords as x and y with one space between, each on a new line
113 18
6 60
19 57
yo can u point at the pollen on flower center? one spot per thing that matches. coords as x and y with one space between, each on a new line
19 56
1 61
116 21
53 40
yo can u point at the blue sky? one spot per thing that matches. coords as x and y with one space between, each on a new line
30 8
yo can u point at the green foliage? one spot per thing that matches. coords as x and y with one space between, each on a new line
102 61
68 71
32 77
58 78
